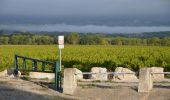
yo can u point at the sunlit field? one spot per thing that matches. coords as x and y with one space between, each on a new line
86 56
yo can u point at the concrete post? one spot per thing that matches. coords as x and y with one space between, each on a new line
70 82
145 80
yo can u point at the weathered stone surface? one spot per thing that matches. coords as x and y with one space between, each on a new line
100 73
9 72
118 76
145 80
19 74
12 76
132 77
3 73
157 77
70 81
79 74
41 75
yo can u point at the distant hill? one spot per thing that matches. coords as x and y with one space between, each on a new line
127 35
142 35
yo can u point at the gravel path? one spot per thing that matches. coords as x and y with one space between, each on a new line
122 91
17 89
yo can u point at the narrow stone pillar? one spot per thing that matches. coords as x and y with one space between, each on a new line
145 80
70 82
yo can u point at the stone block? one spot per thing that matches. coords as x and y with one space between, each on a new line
41 75
70 81
131 77
9 72
100 73
145 80
157 77
79 74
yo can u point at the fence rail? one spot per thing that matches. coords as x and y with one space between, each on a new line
114 73
160 72
55 68
49 62
34 64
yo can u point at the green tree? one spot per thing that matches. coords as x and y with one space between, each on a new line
165 41
41 39
72 38
4 40
20 39
117 41
154 41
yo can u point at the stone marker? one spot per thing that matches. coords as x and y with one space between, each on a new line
131 77
157 77
145 80
70 81
100 73
41 75
79 74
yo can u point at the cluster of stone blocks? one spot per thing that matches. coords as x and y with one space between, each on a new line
100 73
71 75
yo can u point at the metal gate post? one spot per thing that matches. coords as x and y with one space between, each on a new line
43 66
16 63
57 75
24 65
34 66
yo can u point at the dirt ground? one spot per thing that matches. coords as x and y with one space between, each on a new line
122 91
17 89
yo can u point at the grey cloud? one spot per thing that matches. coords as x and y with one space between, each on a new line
85 28
92 15
85 7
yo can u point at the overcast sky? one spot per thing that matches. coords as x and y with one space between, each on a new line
84 7
156 11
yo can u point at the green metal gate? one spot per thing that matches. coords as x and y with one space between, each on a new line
24 68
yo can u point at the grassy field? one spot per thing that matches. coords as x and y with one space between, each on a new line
86 56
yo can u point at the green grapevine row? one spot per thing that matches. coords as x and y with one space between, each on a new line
86 56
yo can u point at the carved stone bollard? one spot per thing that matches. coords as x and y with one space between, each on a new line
145 80
70 81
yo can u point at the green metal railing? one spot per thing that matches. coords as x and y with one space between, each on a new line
24 68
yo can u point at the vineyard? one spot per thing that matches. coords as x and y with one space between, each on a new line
86 56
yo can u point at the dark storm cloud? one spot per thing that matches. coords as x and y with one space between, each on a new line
84 7
85 15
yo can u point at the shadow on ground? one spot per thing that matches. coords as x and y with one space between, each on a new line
7 92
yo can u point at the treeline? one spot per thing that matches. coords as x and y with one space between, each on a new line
24 39
76 38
